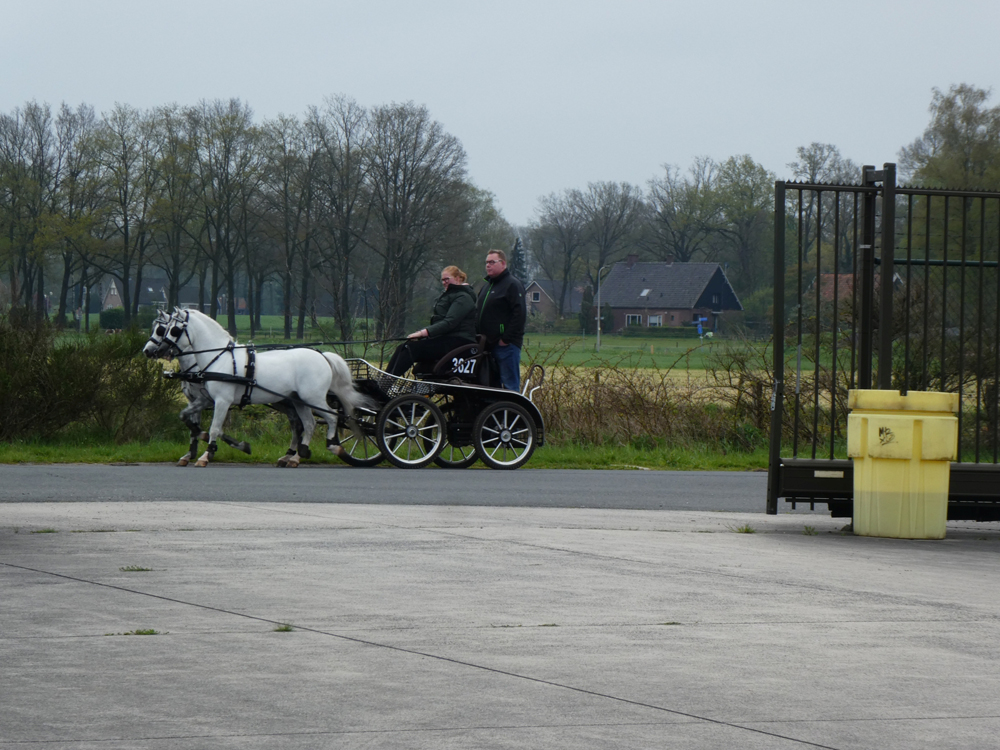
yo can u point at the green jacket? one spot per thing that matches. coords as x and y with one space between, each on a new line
454 313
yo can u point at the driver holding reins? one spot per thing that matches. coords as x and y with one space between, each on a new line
453 324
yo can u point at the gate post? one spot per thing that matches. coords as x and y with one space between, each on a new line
888 273
867 273
778 349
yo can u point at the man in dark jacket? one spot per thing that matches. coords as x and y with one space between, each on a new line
500 316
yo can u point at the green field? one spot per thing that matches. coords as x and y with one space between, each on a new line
573 351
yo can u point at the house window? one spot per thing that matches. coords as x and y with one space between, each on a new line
536 296
655 321
716 299
633 320
645 292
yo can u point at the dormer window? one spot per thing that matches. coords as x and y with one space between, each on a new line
645 292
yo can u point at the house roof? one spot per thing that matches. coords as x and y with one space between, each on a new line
663 285
551 289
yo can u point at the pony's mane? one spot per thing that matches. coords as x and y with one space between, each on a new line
210 322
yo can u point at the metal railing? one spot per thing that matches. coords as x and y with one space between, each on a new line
879 286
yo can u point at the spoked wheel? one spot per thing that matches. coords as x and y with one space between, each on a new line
456 456
504 436
363 451
411 431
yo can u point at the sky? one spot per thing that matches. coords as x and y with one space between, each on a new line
544 95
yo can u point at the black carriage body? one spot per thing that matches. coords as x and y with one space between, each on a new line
463 401
439 417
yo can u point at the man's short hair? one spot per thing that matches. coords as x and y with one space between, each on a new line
501 253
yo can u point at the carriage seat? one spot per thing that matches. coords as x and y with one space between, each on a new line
470 363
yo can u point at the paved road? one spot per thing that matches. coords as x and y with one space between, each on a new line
543 488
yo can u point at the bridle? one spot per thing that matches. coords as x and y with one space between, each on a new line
167 333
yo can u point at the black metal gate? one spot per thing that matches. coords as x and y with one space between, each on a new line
890 287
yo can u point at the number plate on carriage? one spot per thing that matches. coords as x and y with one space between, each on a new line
463 366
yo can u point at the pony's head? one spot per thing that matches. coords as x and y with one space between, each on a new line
164 340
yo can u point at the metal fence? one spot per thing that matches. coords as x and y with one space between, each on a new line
891 287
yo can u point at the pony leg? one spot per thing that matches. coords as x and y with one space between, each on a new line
308 423
332 444
207 455
293 448
192 450
222 405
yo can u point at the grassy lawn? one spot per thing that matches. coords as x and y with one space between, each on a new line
575 351
267 450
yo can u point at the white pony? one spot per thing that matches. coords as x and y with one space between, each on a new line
197 396
233 374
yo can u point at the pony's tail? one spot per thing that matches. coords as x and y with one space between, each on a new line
342 386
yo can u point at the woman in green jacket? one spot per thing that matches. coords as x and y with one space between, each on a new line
453 323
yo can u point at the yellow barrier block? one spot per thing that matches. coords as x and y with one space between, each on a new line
902 448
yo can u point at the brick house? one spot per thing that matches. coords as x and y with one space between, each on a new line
542 298
667 294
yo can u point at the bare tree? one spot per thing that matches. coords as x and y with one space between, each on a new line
176 208
127 153
558 238
288 197
612 212
683 212
745 193
340 130
81 201
28 185
823 163
417 178
228 170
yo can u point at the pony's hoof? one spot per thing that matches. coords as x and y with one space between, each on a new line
283 462
203 461
184 461
293 462
337 450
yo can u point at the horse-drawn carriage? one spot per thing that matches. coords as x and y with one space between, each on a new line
448 413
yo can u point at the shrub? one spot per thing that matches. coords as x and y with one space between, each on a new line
605 401
113 318
97 381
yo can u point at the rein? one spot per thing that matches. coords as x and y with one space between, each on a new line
284 347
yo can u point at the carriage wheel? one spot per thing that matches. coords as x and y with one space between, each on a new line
364 452
504 435
457 456
411 431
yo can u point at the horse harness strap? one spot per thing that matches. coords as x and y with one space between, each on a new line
248 380
251 371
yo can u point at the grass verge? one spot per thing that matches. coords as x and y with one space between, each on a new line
266 452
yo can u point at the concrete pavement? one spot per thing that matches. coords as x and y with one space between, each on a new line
480 627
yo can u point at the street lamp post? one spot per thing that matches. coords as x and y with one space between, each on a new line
599 317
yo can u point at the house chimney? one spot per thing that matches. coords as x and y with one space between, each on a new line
631 260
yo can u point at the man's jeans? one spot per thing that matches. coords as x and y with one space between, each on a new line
509 361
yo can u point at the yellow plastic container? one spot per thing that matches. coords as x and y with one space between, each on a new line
902 448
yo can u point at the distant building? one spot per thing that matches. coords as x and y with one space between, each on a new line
667 294
542 298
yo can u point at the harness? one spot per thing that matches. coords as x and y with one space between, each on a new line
201 376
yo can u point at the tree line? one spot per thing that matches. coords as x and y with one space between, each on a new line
342 201
358 204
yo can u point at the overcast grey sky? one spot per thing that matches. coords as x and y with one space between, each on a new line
543 95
